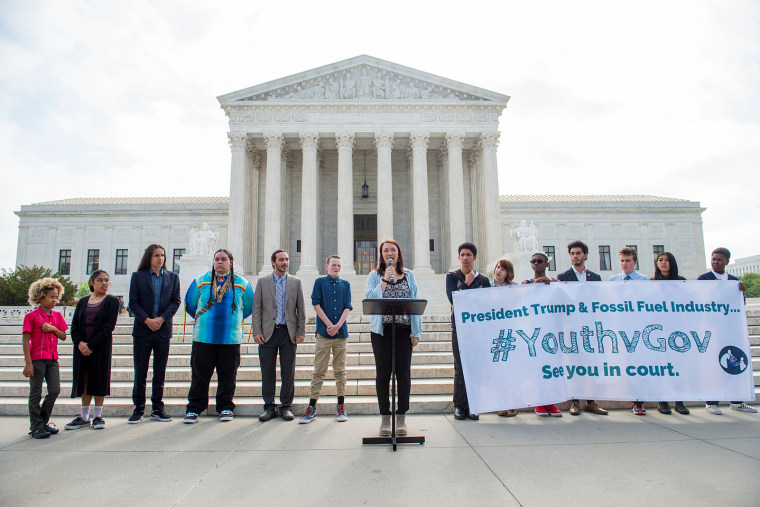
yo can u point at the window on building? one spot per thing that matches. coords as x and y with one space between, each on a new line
298 246
178 253
605 263
64 262
657 250
637 255
93 261
432 245
121 262
549 251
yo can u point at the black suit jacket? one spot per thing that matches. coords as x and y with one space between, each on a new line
709 276
141 301
570 276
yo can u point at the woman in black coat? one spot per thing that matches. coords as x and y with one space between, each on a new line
92 333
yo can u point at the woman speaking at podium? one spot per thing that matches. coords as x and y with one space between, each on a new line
392 280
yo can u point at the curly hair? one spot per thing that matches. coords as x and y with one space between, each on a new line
41 287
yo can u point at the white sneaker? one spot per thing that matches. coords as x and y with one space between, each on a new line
713 409
226 415
191 418
743 407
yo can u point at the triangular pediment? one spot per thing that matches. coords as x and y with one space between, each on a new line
363 78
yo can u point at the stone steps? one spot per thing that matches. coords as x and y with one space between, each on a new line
432 371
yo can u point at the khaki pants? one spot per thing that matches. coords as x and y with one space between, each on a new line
338 348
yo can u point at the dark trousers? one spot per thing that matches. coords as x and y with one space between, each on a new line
280 343
142 346
460 391
381 347
47 370
203 359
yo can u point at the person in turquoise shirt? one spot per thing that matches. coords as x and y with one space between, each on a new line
219 301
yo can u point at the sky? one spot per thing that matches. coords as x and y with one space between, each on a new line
116 99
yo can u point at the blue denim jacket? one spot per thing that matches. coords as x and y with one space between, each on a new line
374 292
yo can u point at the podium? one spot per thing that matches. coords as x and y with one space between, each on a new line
393 307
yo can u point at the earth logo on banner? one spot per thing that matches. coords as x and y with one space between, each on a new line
733 360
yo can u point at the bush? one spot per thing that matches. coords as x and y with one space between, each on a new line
14 285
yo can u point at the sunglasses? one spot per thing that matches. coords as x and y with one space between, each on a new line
537 261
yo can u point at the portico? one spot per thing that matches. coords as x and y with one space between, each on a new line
303 146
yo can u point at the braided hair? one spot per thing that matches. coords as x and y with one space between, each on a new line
232 273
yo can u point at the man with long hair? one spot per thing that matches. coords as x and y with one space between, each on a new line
154 298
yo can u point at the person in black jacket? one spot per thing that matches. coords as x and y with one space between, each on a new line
154 299
92 334
578 251
718 260
462 279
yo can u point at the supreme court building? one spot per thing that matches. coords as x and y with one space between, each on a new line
338 158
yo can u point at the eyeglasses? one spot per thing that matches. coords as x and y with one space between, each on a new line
537 261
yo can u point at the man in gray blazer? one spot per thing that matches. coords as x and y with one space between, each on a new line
279 325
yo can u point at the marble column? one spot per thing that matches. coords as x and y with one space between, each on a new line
236 215
384 145
253 163
309 143
273 204
345 143
491 207
420 205
455 186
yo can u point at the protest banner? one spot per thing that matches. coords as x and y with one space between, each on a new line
539 344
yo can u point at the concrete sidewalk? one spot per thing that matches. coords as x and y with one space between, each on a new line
620 459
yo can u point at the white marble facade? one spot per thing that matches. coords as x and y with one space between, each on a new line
301 149
425 145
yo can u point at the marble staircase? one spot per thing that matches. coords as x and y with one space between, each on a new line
432 371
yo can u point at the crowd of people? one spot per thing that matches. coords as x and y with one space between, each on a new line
220 300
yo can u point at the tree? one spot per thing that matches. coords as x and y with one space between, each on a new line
14 285
751 285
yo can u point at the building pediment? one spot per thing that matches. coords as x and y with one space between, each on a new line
362 79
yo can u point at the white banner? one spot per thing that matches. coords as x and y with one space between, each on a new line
529 345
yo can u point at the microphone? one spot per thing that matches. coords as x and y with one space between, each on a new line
389 262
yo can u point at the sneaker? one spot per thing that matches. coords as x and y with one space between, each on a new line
341 414
136 417
554 411
98 423
159 415
663 407
713 409
50 428
225 416
541 411
743 407
309 415
191 418
77 423
681 408
40 432
638 408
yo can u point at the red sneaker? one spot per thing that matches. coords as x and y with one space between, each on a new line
542 411
554 411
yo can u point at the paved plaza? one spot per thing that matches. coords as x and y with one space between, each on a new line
621 459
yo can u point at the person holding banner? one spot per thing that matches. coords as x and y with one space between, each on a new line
462 279
539 262
666 268
392 280
718 260
220 301
628 260
503 276
578 251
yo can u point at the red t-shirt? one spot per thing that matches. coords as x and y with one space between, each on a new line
43 345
